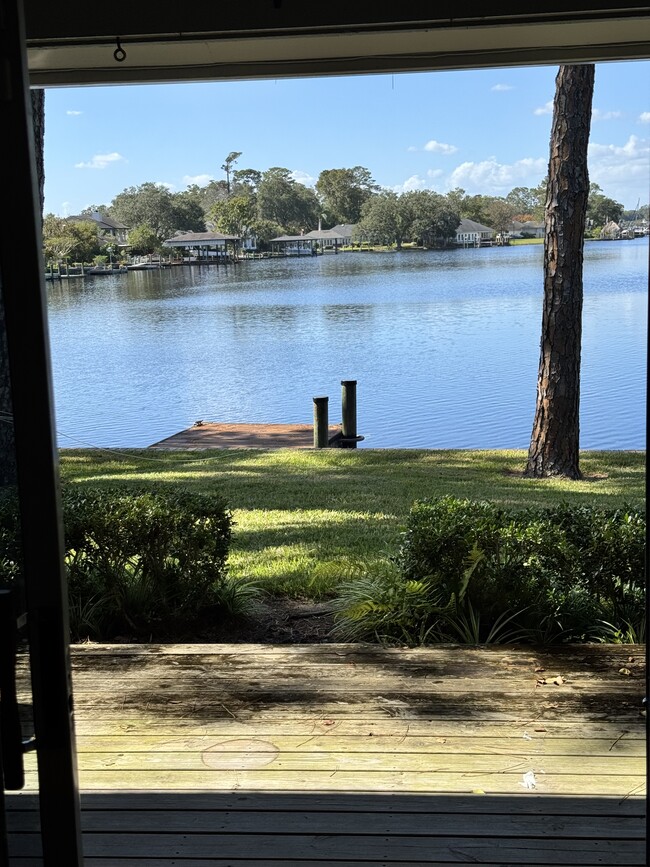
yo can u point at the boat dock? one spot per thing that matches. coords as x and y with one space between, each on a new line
210 435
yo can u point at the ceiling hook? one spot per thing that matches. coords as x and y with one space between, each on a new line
119 54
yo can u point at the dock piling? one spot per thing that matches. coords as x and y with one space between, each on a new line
321 422
349 413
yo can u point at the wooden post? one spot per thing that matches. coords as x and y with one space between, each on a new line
349 412
321 422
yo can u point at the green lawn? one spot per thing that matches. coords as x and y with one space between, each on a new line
304 520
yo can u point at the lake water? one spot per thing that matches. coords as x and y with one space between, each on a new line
444 346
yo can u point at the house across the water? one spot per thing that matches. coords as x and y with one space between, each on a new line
472 234
205 247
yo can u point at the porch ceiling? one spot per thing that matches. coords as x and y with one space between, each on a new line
73 43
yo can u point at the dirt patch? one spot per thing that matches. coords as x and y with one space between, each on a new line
272 621
277 621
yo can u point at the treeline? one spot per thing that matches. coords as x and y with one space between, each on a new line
264 205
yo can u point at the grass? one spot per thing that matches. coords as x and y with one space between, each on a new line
305 519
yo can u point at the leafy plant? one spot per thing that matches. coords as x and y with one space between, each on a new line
478 573
147 561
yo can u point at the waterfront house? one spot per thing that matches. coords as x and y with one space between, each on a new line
108 230
528 229
472 234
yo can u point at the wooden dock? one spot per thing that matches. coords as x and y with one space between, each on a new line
209 435
350 755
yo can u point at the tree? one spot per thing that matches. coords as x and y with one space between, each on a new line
282 200
386 218
235 216
500 214
434 222
144 240
555 440
600 208
227 165
153 205
246 180
187 213
524 201
343 193
209 195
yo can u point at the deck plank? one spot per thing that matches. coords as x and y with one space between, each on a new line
247 755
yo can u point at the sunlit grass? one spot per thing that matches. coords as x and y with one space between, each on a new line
302 518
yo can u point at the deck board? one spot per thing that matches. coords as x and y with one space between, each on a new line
343 755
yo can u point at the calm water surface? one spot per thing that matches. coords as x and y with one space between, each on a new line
444 345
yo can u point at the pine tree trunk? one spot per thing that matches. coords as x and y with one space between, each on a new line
555 441
7 450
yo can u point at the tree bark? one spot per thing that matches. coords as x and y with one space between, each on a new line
7 447
555 441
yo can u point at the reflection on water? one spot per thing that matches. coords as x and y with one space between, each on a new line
444 345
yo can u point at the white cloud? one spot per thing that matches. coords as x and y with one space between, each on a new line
72 113
493 178
545 109
434 173
411 148
501 88
100 161
644 117
65 209
621 170
199 180
415 182
303 178
597 114
165 185
439 147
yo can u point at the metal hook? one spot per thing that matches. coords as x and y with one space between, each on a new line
119 54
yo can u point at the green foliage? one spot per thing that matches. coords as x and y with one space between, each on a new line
386 218
421 215
378 604
234 216
475 572
143 240
344 192
600 208
163 212
282 200
68 239
144 562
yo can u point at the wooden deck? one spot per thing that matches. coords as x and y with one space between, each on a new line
251 755
211 435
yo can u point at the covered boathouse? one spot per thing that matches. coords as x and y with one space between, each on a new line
206 247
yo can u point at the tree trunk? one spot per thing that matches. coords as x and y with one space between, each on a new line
7 450
555 441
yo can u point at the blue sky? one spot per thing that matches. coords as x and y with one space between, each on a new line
486 131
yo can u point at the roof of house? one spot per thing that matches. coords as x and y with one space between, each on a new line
103 222
293 238
466 225
198 239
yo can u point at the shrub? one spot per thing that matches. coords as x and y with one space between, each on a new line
148 561
484 573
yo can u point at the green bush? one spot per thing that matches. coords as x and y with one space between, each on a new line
146 562
476 572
